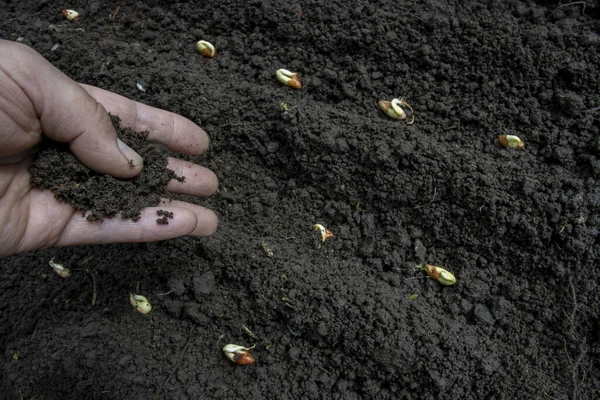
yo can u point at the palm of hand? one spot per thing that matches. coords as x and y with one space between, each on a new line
29 219
33 95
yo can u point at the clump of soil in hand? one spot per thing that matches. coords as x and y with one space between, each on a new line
101 196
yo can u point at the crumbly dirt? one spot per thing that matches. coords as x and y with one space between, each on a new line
351 317
101 196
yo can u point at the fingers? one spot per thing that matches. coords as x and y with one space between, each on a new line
199 181
207 220
188 219
38 220
66 112
174 131
79 231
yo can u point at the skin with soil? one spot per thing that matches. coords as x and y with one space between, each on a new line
351 317
102 196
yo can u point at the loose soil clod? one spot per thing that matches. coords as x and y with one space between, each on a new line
166 215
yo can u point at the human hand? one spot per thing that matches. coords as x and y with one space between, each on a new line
37 98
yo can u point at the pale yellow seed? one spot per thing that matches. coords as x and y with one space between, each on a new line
206 49
140 303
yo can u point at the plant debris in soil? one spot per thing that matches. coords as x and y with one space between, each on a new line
101 196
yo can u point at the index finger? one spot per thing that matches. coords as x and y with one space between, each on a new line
172 130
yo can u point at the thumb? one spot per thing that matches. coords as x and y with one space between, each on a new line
67 113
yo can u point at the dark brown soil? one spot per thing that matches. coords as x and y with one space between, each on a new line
350 318
102 196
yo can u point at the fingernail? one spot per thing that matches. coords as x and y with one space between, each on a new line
130 154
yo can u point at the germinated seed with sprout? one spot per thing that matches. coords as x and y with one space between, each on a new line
325 233
70 15
439 274
511 142
267 249
62 271
239 354
396 109
288 78
206 49
140 303
386 107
